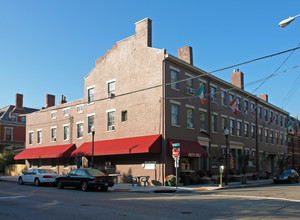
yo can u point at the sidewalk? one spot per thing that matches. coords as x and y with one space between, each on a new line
123 187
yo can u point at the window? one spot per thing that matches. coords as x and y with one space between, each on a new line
53 115
80 130
224 123
281 120
246 106
259 112
190 117
91 95
174 78
267 136
8 134
271 117
90 123
246 130
189 86
175 114
203 85
276 118
239 128
223 97
53 134
277 137
266 114
272 136
30 137
253 131
39 136
281 139
238 103
79 109
232 127
214 122
14 117
111 89
23 119
111 121
66 112
260 134
231 97
124 115
213 93
203 120
66 132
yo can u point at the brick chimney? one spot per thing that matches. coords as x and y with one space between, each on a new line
186 54
143 31
19 101
237 78
264 97
50 100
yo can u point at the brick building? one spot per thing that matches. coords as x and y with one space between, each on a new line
139 100
12 125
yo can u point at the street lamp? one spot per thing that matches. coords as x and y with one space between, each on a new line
226 133
287 21
93 136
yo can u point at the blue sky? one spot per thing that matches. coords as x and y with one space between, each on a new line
48 47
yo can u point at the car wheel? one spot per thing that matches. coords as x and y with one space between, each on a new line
20 181
37 182
60 184
84 186
103 188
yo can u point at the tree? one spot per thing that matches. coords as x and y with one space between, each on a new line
5 159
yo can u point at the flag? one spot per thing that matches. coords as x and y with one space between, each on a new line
252 111
200 93
290 129
271 120
233 105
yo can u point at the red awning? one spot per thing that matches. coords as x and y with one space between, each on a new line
189 148
46 152
134 145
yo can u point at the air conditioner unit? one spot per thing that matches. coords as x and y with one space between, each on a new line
190 90
53 139
111 128
213 99
111 95
190 125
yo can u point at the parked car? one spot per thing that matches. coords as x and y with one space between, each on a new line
287 176
85 179
37 176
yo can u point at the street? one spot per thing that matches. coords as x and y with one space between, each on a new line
45 202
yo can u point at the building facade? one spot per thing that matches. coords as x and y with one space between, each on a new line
138 101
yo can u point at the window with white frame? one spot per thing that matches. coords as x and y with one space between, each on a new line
231 97
53 115
213 93
53 134
175 114
259 112
79 109
39 136
8 136
66 112
232 127
203 120
266 114
272 136
91 93
30 137
266 135
260 134
111 88
239 128
246 127
190 117
214 122
189 85
110 120
253 131
90 122
223 97
79 129
66 132
174 79
271 117
224 123
239 103
246 106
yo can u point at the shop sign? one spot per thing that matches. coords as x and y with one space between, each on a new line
194 154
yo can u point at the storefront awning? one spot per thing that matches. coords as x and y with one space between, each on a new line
134 145
188 148
46 152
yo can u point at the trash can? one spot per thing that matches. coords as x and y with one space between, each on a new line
244 180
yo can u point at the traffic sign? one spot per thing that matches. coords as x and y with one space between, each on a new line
176 152
176 145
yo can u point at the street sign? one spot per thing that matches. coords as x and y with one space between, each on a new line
176 164
176 152
176 145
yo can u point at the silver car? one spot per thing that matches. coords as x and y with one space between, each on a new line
37 176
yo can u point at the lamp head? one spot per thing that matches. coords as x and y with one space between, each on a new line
286 22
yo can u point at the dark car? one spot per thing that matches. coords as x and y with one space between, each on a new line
85 179
287 176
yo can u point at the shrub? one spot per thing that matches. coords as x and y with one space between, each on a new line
5 159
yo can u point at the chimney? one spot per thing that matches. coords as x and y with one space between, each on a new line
143 31
237 78
19 101
50 100
264 97
186 54
63 99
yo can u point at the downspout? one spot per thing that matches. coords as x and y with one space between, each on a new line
164 145
209 125
256 138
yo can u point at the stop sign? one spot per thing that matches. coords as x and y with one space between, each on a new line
176 152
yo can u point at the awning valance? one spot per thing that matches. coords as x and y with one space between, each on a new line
134 145
46 152
189 148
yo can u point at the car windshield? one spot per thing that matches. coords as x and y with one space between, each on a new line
95 172
286 172
45 171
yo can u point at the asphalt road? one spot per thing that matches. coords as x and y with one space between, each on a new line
30 202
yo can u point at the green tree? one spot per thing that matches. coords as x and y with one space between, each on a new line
5 159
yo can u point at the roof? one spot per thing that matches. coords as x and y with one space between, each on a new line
5 112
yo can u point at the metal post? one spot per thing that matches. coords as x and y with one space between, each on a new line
226 160
93 134
176 170
292 151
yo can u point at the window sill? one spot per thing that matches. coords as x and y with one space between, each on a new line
91 103
175 89
190 128
177 126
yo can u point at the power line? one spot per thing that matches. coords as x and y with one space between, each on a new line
291 92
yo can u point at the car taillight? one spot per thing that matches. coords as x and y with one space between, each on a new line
97 180
47 176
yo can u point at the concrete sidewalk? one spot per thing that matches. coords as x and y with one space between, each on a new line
123 187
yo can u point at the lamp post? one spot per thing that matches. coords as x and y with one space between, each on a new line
93 136
226 133
287 21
